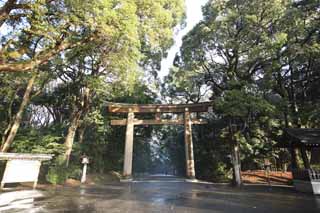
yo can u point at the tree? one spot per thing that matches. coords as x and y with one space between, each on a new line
13 127
36 31
52 27
228 51
96 44
107 57
254 57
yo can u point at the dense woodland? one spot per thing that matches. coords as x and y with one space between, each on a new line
62 61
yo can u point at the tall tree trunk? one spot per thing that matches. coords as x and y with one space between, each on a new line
235 154
75 121
81 132
236 165
8 139
10 118
296 121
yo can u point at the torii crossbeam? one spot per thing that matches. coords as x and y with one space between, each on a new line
158 109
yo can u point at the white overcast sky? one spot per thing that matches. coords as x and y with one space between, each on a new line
194 15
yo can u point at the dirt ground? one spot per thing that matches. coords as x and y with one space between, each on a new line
261 176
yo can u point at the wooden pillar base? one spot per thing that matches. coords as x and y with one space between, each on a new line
127 179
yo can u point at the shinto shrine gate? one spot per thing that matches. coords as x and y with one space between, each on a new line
188 110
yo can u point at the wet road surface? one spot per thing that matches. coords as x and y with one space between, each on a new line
161 196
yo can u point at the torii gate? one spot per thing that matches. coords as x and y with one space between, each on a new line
157 109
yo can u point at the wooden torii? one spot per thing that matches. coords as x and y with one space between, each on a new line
158 109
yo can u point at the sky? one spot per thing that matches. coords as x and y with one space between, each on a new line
194 15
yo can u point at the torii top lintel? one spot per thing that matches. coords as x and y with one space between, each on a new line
158 108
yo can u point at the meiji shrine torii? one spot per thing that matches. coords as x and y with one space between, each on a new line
157 110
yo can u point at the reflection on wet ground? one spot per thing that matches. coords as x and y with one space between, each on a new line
161 196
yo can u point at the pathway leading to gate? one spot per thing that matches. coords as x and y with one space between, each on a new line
162 196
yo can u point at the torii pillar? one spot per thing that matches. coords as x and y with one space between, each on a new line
188 145
127 164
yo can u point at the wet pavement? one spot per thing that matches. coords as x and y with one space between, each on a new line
174 195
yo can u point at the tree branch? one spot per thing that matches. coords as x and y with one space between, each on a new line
41 58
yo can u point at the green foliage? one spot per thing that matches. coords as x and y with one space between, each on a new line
33 141
253 59
58 172
240 104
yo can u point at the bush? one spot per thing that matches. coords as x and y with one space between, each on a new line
30 140
58 173
75 172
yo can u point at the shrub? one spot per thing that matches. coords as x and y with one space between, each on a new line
58 172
